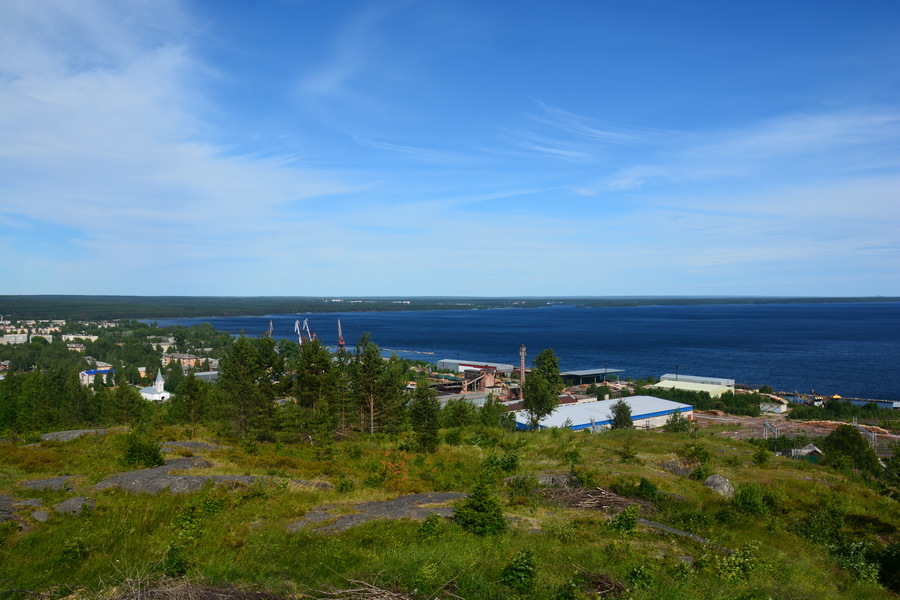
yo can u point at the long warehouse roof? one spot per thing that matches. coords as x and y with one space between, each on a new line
579 415
589 372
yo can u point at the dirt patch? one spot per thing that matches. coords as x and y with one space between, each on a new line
592 499
169 589
753 427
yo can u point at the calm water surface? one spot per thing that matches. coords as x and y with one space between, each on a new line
850 349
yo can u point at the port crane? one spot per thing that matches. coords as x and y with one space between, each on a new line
301 329
340 336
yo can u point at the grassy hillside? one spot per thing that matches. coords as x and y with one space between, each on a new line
793 530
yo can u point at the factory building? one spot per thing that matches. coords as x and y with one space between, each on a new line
646 412
461 366
714 386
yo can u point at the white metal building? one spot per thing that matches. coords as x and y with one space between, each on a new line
714 390
473 365
646 411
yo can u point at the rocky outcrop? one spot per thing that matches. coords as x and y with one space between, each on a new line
157 479
74 505
414 506
53 483
720 485
68 436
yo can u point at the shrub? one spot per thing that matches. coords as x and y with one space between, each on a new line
761 457
344 484
585 477
639 577
453 437
625 521
823 526
141 450
523 487
480 513
739 564
175 563
431 526
627 451
748 498
645 489
507 462
677 423
521 573
889 567
858 559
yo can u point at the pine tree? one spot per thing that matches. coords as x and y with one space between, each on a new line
424 412
621 415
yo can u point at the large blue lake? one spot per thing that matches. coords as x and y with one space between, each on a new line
851 349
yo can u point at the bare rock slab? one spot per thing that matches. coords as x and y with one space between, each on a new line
68 436
7 513
157 479
189 445
414 506
74 505
52 483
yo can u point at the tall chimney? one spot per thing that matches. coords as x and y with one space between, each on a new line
522 371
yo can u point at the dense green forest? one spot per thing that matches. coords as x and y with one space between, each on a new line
160 307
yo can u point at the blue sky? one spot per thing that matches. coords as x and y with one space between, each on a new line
450 147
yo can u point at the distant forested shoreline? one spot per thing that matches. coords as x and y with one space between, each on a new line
149 307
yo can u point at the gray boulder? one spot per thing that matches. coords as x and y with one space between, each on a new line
7 513
53 483
720 485
73 506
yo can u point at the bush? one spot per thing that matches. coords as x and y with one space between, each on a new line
639 577
645 489
431 526
823 526
889 567
521 573
480 513
141 450
748 498
858 559
761 457
738 565
523 487
677 423
174 564
507 462
625 521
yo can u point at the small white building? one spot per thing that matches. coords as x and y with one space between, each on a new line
646 411
156 392
773 404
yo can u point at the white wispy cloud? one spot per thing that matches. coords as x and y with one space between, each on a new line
103 133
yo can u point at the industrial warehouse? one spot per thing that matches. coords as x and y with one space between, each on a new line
646 412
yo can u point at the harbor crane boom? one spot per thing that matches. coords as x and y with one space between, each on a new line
340 336
309 335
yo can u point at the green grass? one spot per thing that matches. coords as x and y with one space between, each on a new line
238 535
